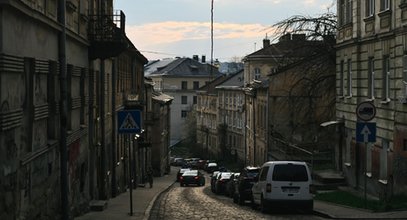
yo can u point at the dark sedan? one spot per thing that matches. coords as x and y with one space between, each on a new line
192 177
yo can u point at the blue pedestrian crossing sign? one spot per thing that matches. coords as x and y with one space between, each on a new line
366 132
129 121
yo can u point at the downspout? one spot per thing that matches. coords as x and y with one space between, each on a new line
102 174
63 111
114 131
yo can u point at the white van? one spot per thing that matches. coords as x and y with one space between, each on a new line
284 184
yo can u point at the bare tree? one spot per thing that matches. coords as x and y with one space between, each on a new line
305 78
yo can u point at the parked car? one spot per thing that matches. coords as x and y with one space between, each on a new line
231 185
180 172
284 184
243 187
192 177
178 162
201 164
212 167
214 176
221 180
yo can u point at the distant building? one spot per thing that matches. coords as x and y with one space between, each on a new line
181 79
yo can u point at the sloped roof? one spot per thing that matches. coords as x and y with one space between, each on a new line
287 48
162 97
209 88
234 80
154 65
186 67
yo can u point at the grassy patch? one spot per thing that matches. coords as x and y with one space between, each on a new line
351 200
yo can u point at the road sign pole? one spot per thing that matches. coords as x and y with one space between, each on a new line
130 176
366 148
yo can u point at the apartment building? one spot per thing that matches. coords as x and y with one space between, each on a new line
371 67
181 79
60 91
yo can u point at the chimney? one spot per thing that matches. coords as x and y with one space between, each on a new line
195 57
286 37
203 59
266 42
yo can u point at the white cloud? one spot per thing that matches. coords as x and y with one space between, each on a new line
173 31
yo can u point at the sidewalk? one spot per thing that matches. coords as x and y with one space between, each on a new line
143 200
336 211
144 197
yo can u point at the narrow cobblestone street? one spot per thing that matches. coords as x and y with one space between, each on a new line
200 203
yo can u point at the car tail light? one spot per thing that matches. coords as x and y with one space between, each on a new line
197 177
181 178
268 187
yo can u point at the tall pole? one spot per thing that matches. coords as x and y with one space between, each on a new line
63 111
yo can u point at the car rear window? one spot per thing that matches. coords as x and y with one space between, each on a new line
290 172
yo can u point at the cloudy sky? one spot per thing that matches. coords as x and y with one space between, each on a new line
170 28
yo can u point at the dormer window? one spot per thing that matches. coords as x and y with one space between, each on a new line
257 73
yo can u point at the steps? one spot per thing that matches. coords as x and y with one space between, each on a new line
98 205
328 180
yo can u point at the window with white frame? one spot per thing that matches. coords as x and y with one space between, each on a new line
386 79
342 79
371 78
345 12
348 139
370 8
383 160
257 73
384 5
349 79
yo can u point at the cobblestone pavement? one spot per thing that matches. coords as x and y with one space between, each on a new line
200 203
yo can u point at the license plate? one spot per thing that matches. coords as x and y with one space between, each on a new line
290 189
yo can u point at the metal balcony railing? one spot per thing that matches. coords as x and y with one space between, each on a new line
107 34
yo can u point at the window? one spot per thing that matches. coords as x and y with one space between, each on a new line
342 80
404 144
371 78
263 173
349 80
184 99
345 12
196 85
370 9
386 79
184 114
195 99
184 85
384 5
257 73
383 160
290 173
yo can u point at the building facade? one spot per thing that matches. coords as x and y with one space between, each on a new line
62 82
371 67
181 79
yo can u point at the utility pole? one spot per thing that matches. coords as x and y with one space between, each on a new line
63 111
211 39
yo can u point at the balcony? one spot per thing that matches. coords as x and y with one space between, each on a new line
107 35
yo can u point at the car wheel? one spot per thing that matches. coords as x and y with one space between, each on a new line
253 204
235 198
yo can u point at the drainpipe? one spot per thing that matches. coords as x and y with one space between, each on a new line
63 111
114 130
102 173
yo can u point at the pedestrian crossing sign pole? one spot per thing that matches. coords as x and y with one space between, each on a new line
129 122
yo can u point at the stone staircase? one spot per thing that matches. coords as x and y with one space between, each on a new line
327 180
